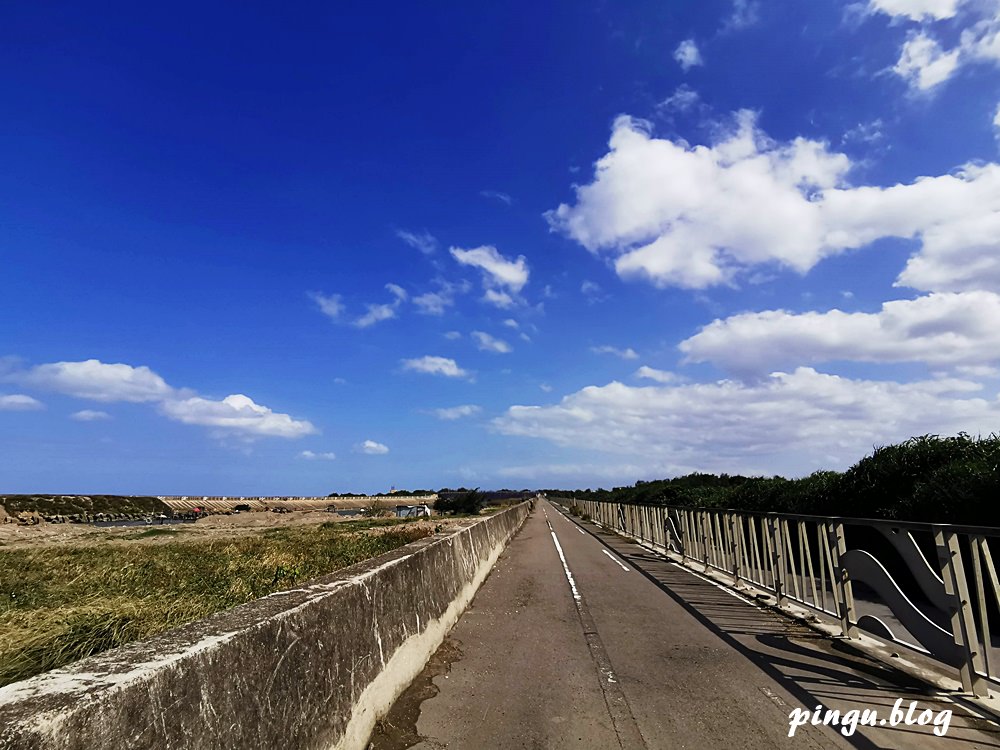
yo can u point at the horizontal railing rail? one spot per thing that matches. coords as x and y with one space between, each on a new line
929 588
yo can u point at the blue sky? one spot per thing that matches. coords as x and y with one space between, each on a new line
262 250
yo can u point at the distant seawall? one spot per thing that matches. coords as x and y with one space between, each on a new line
312 667
221 504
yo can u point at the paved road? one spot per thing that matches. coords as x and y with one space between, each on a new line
580 639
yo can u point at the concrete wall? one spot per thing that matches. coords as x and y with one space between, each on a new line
312 667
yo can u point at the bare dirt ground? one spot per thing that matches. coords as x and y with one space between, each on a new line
213 527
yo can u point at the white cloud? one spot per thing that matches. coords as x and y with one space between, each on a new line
379 313
790 423
94 380
939 329
688 55
924 64
376 314
867 133
425 242
373 448
683 99
435 303
745 13
89 415
398 292
488 343
696 216
329 304
916 10
457 412
237 414
312 456
497 270
629 353
19 402
97 381
659 376
435 366
499 299
497 196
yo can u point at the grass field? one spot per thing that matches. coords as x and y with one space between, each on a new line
62 603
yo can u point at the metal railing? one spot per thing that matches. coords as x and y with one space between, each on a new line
930 588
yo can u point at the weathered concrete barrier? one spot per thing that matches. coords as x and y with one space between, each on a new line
313 667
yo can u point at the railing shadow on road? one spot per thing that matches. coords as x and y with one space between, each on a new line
827 673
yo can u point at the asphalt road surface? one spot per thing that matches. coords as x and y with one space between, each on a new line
581 639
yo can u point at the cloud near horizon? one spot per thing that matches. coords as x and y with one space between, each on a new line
94 380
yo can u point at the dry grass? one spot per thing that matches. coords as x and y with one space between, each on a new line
60 604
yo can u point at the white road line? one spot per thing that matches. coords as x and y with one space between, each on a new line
569 575
614 560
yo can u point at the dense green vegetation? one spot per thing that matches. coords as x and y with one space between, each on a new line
929 478
62 603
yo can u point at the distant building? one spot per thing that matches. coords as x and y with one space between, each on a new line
412 511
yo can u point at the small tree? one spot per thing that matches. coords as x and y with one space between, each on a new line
470 501
377 509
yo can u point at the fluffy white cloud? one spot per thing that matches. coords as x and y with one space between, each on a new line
924 64
435 366
457 412
488 343
89 415
236 414
373 448
313 456
329 304
688 55
629 353
939 329
916 10
425 242
97 381
659 376
790 423
696 216
19 402
498 271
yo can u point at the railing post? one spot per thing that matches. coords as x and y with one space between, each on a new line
963 626
842 581
734 545
777 558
